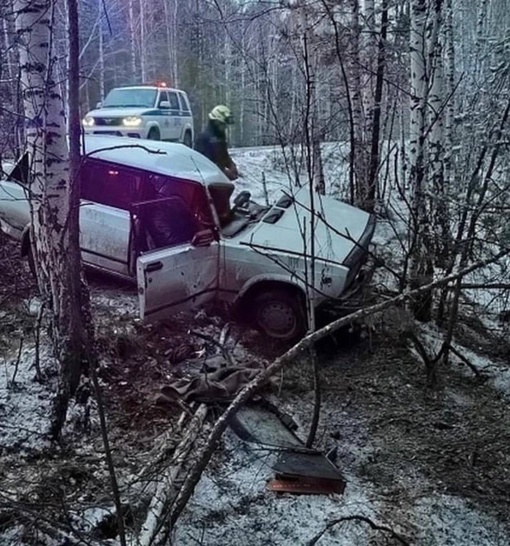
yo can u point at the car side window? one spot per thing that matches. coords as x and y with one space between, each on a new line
174 101
163 97
109 184
176 210
184 103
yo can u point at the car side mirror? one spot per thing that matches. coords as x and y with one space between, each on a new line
203 238
242 199
99 104
164 104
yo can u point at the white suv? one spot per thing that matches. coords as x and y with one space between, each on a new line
152 112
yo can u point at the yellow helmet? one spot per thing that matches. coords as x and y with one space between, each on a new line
222 114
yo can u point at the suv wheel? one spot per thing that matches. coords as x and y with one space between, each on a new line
154 134
187 139
280 314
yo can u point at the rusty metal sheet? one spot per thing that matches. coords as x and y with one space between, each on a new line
306 486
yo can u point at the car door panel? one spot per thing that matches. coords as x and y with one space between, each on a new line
175 115
107 193
15 213
104 237
163 117
176 279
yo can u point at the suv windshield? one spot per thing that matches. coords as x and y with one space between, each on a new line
118 98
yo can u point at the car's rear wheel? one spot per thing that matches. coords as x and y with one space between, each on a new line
154 134
280 314
187 141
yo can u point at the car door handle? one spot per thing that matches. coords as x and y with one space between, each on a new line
154 266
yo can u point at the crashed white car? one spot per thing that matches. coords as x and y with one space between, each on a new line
165 220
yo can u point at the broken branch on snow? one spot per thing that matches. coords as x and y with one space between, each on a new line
363 519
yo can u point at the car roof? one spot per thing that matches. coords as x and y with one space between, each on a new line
166 158
155 87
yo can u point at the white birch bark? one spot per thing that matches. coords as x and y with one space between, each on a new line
132 40
449 67
435 97
143 73
368 56
50 190
170 8
7 54
420 267
101 63
435 143
360 142
418 88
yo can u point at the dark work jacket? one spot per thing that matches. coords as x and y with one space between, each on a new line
212 142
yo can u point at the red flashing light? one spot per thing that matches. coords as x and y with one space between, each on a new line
162 84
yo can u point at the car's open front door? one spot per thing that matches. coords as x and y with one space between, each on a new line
178 278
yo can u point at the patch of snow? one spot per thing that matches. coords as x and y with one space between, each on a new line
498 373
448 520
231 503
25 404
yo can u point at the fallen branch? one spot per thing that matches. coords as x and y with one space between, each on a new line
162 446
16 364
220 344
486 286
317 398
363 519
292 354
156 515
108 454
467 362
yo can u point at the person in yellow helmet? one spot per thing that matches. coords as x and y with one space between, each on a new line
212 141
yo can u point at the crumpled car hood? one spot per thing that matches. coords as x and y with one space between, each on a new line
337 228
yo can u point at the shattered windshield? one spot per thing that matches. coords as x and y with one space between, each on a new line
121 98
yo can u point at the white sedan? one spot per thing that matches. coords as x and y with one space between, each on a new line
164 219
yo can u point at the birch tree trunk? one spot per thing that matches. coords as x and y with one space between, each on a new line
375 133
359 141
171 38
53 220
132 41
101 62
436 100
421 267
449 63
143 73
368 56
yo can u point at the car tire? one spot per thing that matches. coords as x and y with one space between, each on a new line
280 314
187 141
154 134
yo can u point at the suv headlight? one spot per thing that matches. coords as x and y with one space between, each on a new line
88 121
132 121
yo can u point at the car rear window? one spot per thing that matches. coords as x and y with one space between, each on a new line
184 103
109 184
174 101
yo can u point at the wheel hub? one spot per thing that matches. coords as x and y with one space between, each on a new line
277 319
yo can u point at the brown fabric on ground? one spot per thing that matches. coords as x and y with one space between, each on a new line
219 385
